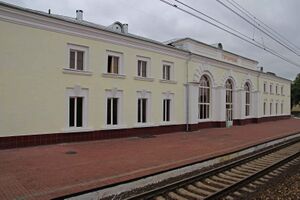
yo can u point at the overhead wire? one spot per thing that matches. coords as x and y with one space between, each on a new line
255 43
258 27
263 25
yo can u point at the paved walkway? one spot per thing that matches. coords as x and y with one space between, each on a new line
45 172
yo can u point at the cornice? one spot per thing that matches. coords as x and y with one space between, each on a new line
50 23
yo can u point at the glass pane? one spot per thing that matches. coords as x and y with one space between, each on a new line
108 114
144 108
71 111
139 68
115 111
80 60
109 64
72 59
144 69
79 115
168 110
164 110
139 110
116 65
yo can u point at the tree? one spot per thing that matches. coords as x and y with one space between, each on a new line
295 91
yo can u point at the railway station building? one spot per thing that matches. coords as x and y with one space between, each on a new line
66 79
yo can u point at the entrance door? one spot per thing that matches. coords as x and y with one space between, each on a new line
229 103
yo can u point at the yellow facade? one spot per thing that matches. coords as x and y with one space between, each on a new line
33 79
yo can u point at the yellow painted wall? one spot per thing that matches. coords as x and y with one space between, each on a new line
33 85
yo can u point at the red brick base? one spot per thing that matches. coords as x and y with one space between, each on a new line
43 139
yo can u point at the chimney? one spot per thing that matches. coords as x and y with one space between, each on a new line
79 15
125 28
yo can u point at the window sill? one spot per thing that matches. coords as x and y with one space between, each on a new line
139 78
117 76
143 125
167 123
76 129
168 81
203 120
78 72
114 127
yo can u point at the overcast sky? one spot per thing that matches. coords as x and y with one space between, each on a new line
156 20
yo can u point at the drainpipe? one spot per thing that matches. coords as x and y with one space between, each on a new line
187 93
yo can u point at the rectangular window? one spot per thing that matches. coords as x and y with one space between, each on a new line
142 68
271 108
113 63
112 111
265 87
75 111
76 61
247 106
271 88
142 110
265 108
281 90
166 72
281 108
166 110
276 89
276 108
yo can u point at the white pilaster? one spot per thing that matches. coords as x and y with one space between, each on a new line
218 103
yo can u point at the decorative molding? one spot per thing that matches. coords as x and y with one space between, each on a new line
203 69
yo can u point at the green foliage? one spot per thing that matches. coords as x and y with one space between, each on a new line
295 91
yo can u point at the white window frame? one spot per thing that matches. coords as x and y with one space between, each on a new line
146 95
265 87
248 105
265 105
170 96
120 73
77 91
281 90
172 72
148 66
209 104
271 88
114 93
85 51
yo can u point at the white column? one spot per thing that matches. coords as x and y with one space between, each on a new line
239 105
218 104
256 104
193 90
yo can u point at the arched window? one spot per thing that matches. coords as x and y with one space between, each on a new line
247 100
229 101
204 98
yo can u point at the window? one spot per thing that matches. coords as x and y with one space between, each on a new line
77 107
77 57
75 111
142 110
271 108
276 89
204 98
271 88
247 103
281 90
112 111
167 110
276 108
114 63
281 108
166 72
265 87
229 100
142 68
265 108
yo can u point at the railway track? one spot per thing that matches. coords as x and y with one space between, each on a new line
233 180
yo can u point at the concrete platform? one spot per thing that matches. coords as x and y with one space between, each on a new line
45 172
